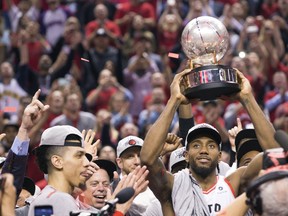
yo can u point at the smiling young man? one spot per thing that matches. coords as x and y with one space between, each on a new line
61 155
182 194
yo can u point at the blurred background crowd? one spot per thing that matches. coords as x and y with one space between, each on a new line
104 65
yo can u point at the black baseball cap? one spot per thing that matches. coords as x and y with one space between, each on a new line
107 165
246 141
29 185
203 128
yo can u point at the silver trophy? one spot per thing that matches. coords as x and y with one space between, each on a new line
205 41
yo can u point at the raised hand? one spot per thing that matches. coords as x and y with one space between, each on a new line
135 179
177 85
233 132
245 89
172 143
33 112
89 146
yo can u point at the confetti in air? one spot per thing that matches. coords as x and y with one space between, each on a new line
173 55
86 60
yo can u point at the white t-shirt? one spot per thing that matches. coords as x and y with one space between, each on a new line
54 22
141 203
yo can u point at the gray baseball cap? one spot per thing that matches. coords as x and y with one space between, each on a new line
56 136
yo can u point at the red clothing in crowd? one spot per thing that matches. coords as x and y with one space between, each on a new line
200 118
33 172
268 10
102 102
35 50
144 9
167 40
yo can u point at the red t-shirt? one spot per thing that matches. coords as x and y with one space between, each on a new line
145 9
167 40
102 102
35 51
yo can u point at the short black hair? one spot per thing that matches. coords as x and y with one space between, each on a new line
43 155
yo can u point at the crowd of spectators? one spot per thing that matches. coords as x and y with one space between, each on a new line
103 65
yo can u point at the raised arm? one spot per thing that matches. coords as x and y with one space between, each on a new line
264 131
18 154
160 181
263 128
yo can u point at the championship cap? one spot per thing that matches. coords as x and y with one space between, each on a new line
56 136
128 142
176 157
203 128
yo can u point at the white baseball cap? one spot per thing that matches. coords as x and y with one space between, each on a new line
176 157
128 142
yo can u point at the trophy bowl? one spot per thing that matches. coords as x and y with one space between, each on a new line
205 41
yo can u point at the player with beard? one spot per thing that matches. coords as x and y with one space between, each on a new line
182 194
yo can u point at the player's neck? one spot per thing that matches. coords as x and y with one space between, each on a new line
206 182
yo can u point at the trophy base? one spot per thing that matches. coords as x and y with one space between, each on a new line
210 82
211 91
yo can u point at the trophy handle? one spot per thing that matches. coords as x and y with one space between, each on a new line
215 58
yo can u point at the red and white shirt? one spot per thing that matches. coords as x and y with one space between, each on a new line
220 195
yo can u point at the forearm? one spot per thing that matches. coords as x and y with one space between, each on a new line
222 131
237 208
185 111
264 129
90 100
156 136
60 61
24 54
23 134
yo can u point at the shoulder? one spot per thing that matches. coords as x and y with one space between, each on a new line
234 179
181 176
57 120
61 202
87 115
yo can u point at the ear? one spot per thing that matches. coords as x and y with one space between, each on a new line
119 163
219 156
186 155
57 161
